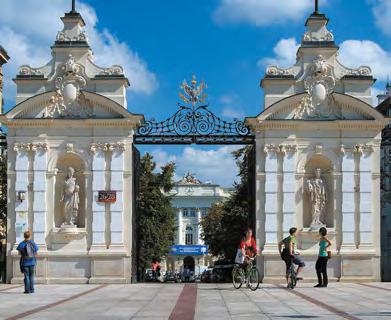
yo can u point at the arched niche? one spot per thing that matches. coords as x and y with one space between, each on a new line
63 163
326 166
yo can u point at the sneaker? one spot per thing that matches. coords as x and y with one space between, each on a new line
318 285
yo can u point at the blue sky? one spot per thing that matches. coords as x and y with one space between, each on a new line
225 42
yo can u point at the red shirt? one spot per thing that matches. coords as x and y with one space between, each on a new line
249 246
155 266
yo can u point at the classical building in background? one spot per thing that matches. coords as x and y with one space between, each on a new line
70 145
385 108
192 200
3 176
318 123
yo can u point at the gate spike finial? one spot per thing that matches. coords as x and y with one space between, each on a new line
316 7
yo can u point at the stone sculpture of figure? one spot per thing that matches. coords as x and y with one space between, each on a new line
318 195
70 198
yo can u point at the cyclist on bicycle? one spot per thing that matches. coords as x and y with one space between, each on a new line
290 255
249 247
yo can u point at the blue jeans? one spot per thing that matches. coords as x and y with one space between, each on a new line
28 279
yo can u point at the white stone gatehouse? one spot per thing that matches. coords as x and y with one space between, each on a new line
317 117
71 113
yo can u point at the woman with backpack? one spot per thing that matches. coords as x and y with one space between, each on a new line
27 249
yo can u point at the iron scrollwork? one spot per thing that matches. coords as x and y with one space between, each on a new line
194 123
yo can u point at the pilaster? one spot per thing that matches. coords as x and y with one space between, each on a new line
289 187
98 183
21 188
40 229
117 184
365 231
271 195
349 190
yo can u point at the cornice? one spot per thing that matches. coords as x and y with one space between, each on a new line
67 123
263 125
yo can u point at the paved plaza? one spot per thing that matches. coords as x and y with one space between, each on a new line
196 301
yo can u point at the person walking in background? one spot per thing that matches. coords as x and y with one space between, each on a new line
28 250
155 269
321 263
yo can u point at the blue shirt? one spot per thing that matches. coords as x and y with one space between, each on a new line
26 262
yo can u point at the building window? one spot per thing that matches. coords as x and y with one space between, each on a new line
192 212
189 235
185 212
204 212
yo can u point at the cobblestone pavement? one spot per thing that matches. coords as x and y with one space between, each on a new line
196 301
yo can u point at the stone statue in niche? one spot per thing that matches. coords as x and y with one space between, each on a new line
318 196
70 199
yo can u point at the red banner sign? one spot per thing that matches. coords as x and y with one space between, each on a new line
107 196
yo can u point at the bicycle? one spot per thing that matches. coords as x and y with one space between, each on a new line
249 275
292 274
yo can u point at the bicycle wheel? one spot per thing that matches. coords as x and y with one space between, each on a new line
253 279
237 277
293 277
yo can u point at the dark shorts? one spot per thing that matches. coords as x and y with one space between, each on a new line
297 260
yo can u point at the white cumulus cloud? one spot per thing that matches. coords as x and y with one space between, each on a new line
285 54
215 165
261 12
28 29
382 11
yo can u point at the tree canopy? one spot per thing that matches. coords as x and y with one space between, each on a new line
226 222
155 216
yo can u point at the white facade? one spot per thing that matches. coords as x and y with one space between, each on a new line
317 115
71 113
191 200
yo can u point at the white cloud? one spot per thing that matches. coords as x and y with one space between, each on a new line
355 53
216 165
285 54
381 9
261 12
28 30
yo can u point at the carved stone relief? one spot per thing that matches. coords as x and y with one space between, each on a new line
318 102
69 101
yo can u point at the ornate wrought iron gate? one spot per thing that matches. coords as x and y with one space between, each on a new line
193 123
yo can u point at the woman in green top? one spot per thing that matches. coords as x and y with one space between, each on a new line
321 263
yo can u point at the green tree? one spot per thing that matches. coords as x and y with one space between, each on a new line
155 216
226 222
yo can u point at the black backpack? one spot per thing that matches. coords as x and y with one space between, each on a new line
28 251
